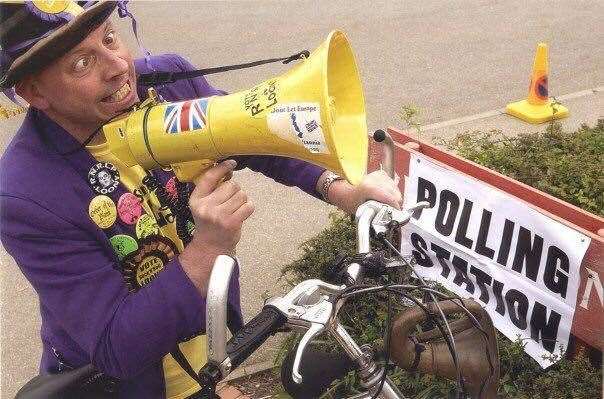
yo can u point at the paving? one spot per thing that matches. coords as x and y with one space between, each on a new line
458 62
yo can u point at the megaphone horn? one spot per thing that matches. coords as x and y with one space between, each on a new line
314 112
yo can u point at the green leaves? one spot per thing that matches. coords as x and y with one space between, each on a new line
567 165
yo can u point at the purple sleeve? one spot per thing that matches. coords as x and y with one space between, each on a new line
78 284
287 171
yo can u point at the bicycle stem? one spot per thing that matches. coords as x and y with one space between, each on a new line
371 374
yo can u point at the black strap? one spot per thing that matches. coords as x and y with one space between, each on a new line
234 324
419 348
184 363
159 78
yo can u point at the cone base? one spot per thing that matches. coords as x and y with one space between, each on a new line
536 113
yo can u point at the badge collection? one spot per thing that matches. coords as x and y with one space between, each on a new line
141 257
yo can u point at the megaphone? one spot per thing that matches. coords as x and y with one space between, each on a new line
314 112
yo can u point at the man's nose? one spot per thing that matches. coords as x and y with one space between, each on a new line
114 65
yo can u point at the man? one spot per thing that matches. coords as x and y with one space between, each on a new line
120 277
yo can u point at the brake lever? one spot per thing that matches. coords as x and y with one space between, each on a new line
387 215
313 331
307 306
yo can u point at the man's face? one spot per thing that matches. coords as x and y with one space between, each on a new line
104 178
92 83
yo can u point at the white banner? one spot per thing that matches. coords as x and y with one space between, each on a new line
483 243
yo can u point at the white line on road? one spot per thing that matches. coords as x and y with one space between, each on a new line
501 111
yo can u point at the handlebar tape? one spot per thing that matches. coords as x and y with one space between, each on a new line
253 334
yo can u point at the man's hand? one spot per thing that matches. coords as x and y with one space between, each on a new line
219 209
374 186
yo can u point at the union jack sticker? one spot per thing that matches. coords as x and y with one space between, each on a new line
186 116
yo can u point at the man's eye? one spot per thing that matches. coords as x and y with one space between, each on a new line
110 38
81 64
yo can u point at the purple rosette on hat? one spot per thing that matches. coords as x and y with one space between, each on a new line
52 11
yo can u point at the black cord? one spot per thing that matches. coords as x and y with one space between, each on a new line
388 335
82 144
460 389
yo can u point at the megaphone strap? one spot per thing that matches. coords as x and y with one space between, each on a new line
160 78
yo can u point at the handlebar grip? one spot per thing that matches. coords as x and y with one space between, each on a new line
253 334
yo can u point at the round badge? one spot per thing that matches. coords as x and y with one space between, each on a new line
171 188
190 227
102 211
146 226
103 177
123 245
54 11
141 267
129 208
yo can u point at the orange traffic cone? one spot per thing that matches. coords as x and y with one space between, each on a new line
538 108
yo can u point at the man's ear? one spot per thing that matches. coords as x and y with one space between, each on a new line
27 88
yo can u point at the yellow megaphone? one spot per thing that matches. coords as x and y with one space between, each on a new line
314 112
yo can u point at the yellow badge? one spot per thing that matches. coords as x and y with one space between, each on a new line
102 211
146 226
57 7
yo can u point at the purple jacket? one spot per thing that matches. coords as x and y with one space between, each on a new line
87 313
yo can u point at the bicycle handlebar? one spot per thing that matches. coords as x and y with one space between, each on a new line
253 334
311 305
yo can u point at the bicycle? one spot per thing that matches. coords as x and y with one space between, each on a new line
312 307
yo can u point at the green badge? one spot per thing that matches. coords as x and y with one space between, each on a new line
123 245
146 226
190 227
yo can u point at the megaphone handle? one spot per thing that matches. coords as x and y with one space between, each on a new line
381 136
188 171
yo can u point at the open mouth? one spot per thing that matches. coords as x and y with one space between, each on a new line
119 95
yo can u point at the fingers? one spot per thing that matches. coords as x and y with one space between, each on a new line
230 392
380 187
207 182
234 202
223 193
244 211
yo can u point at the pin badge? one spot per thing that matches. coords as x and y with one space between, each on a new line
146 226
104 177
141 267
129 208
171 188
123 245
190 227
102 211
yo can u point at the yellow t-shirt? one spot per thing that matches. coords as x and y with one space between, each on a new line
178 383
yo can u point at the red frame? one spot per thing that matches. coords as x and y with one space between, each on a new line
588 325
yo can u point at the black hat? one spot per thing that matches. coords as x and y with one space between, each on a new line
33 34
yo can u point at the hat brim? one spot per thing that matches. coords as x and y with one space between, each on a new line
58 43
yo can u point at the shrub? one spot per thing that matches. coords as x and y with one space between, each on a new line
567 165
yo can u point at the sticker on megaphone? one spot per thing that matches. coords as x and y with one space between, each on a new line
300 124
